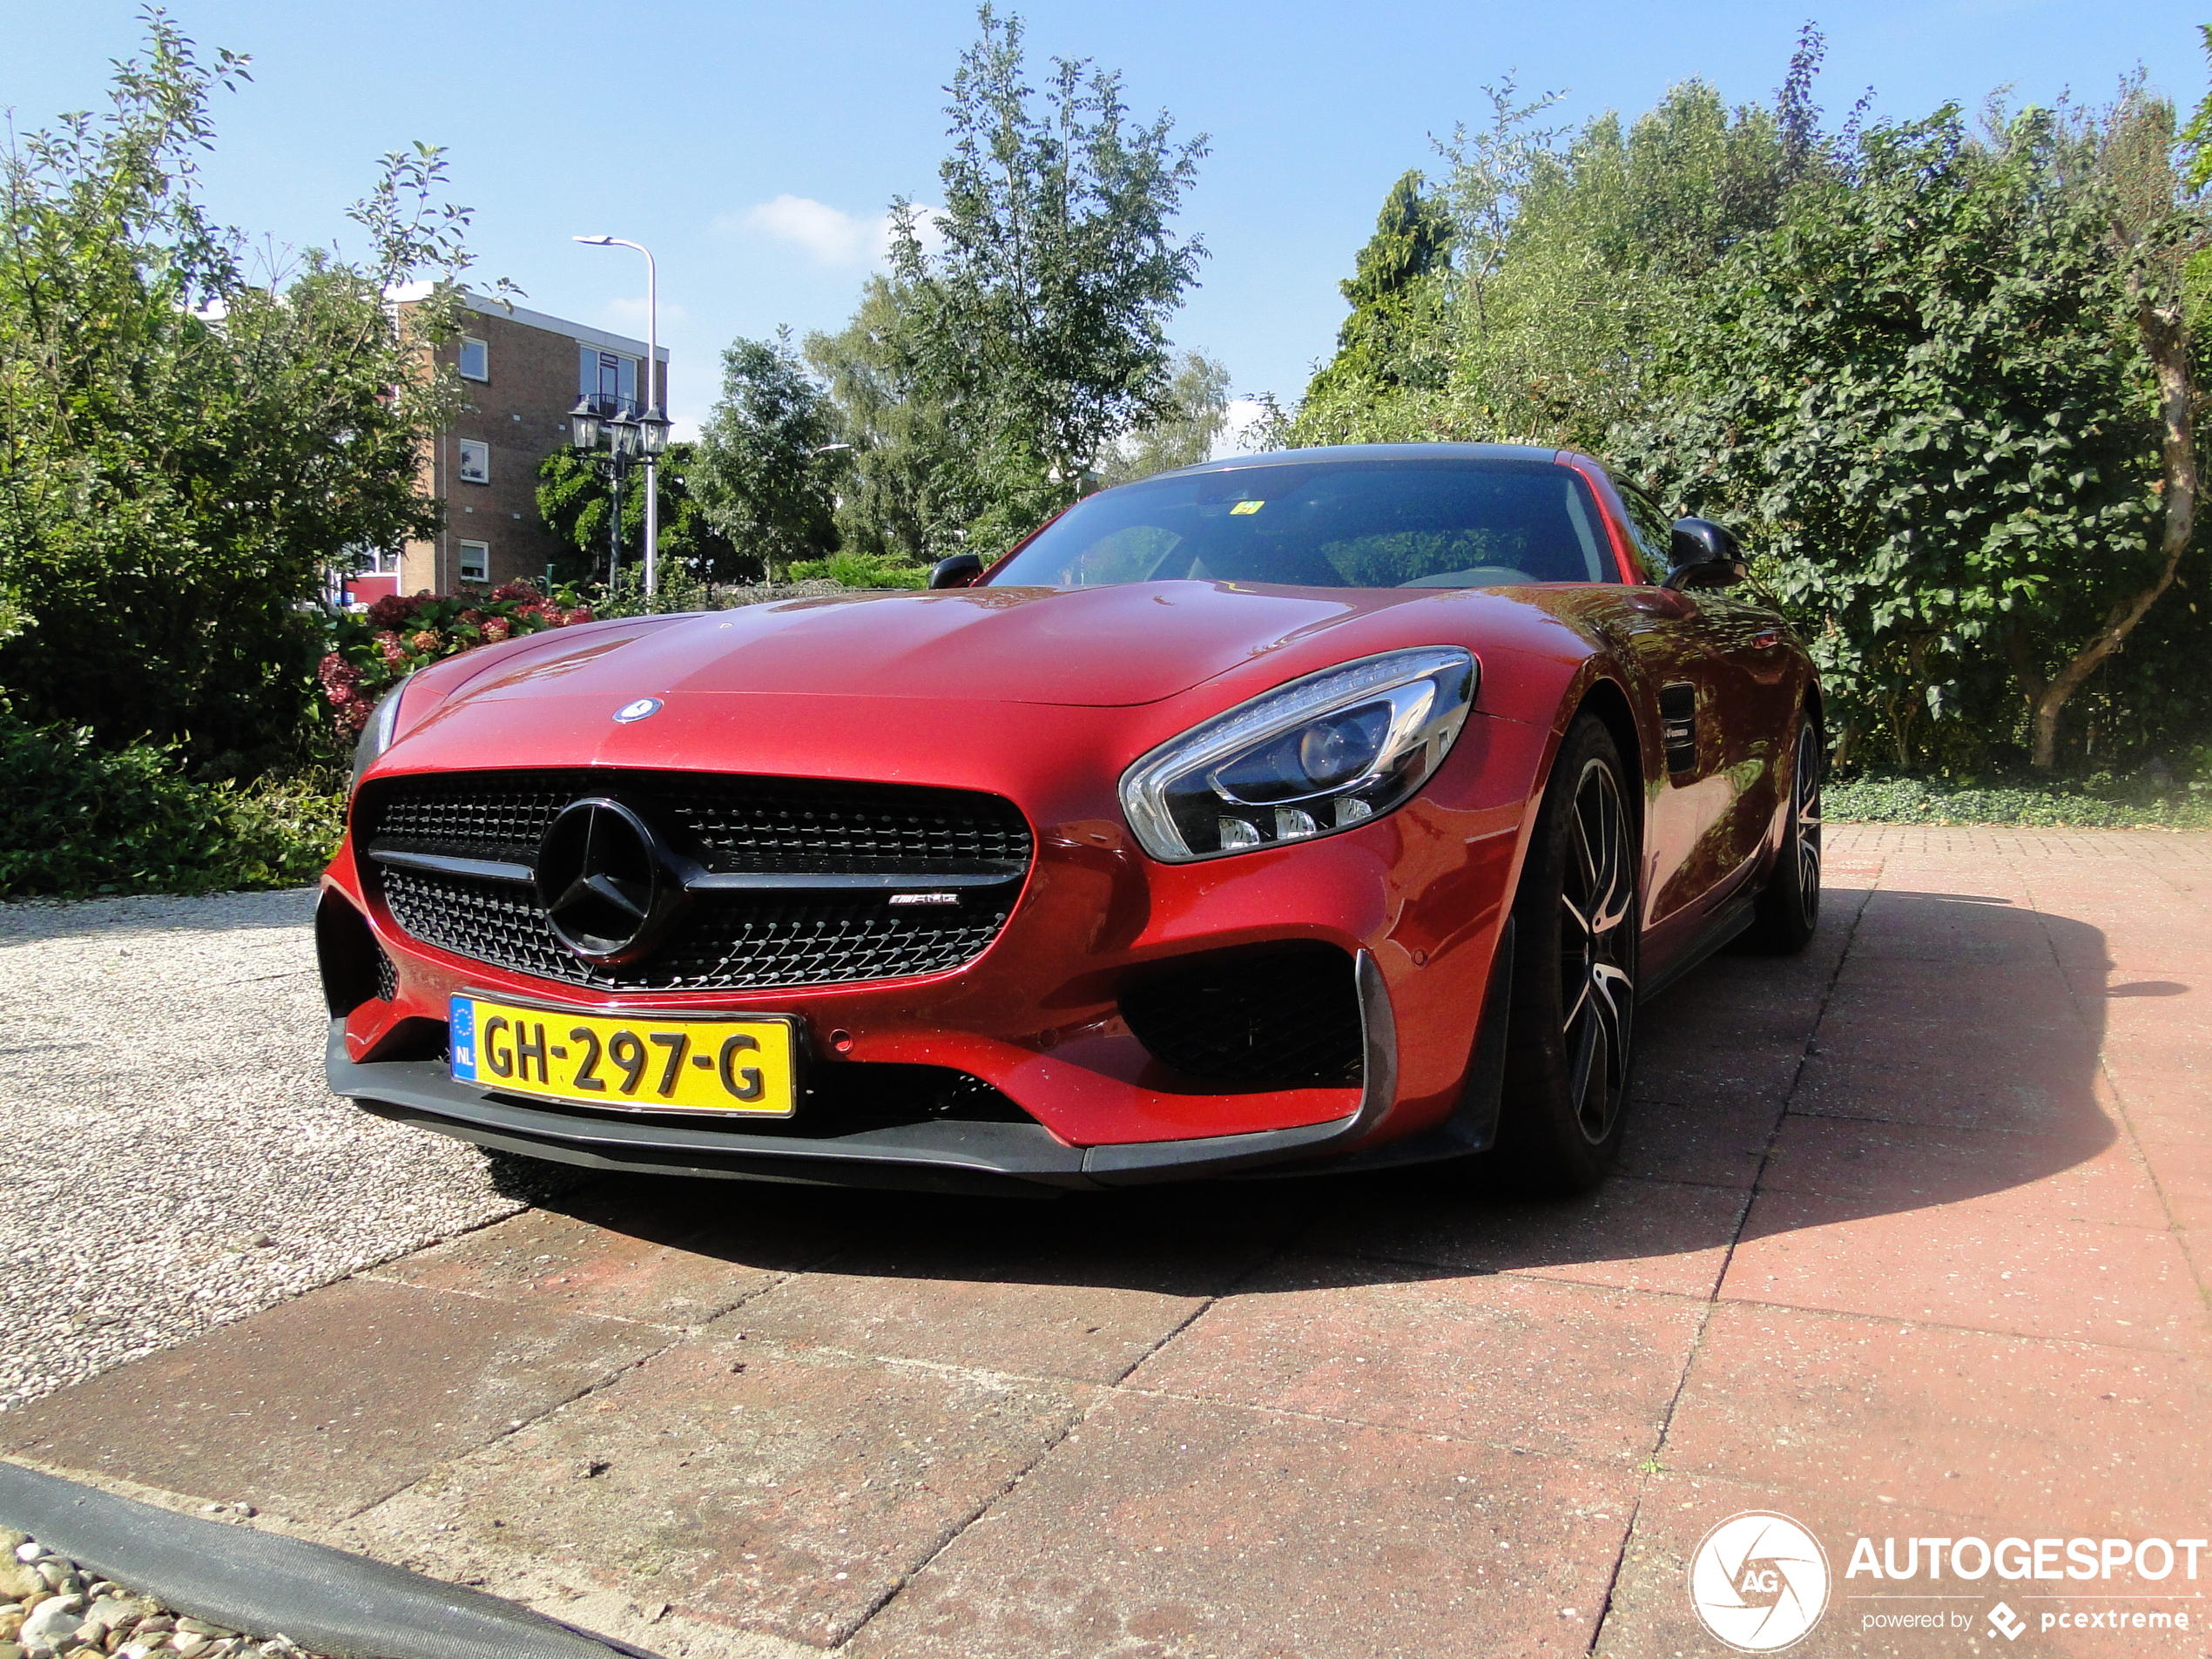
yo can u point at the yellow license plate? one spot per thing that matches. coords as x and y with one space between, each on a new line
631 1061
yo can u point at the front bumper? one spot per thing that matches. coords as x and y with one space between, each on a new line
1416 902
939 1155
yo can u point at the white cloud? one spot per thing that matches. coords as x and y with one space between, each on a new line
831 235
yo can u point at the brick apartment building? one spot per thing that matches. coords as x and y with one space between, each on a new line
524 372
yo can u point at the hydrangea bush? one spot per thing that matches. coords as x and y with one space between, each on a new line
371 651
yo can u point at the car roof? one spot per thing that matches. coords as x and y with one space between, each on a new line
1377 452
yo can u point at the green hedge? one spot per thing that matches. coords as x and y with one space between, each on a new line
2095 804
77 819
861 570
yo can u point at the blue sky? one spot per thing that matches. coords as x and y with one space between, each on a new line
754 147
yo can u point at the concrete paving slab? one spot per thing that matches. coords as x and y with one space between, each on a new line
324 1404
746 1484
1677 1069
668 1253
1522 1362
1177 1526
2184 1172
1981 1265
1634 1235
1711 1141
1087 1314
2049 1434
1903 1165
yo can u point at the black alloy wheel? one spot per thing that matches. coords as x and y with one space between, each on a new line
1578 921
1789 911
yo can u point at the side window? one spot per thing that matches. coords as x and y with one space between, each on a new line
475 462
476 561
1651 530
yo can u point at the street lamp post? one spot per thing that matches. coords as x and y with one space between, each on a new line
652 426
628 439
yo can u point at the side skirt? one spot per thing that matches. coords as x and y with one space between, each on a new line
1731 920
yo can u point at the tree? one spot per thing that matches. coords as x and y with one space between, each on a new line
903 490
575 501
756 475
1936 394
1377 345
184 453
1569 254
1039 315
1198 413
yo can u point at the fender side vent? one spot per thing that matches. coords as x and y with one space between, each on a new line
1678 725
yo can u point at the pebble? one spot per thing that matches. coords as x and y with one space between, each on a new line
141 1207
48 1626
51 1620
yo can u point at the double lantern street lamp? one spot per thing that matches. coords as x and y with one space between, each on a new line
628 439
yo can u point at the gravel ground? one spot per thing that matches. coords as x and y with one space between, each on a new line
48 1605
173 1160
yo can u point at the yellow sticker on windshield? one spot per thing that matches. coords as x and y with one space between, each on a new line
1245 506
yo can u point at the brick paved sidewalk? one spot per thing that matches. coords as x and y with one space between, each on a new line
1903 1246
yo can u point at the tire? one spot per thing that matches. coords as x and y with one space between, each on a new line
1788 912
1577 920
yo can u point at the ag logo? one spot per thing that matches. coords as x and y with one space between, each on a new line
1759 1582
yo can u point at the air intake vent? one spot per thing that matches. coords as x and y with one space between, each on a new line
1286 1017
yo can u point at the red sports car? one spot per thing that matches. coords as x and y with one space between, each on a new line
1323 809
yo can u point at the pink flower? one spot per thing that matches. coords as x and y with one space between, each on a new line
582 613
425 641
392 649
393 608
497 628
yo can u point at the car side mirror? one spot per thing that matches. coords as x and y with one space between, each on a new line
1705 555
959 571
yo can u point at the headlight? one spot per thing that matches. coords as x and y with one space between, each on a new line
376 736
1319 755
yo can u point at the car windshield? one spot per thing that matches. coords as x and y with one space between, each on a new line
1366 523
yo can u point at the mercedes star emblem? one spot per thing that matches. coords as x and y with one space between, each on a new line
607 884
637 710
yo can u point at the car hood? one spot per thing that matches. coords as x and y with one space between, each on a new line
1087 647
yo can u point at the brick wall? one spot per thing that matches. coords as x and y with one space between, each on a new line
521 413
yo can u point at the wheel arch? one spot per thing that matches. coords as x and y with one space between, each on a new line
1604 697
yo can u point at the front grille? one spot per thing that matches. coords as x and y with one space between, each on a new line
731 824
724 940
1284 1017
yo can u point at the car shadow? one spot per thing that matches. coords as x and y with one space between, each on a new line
1929 1049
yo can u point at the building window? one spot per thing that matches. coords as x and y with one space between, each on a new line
358 559
476 359
476 561
608 380
475 462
